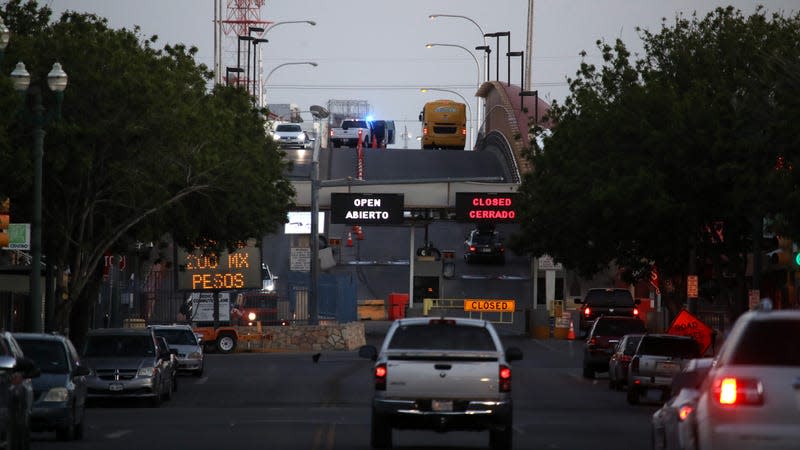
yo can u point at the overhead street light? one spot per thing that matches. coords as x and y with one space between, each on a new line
256 41
434 16
477 67
239 54
269 28
258 84
487 50
57 82
521 55
523 94
469 110
229 70
497 35
310 63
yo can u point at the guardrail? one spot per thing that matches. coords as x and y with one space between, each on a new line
455 307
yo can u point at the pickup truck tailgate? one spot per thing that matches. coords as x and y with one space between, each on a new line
462 376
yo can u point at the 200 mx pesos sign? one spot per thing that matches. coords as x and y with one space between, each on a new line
210 271
488 305
366 209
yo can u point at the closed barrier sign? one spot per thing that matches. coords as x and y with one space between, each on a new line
488 305
492 207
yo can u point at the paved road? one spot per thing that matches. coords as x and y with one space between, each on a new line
286 401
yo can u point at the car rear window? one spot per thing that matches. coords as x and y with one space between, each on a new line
612 327
119 346
630 345
177 336
441 337
681 348
769 343
50 356
615 297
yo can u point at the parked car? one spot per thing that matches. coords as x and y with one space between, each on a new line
750 399
606 332
658 358
484 245
605 302
290 135
169 365
442 374
59 393
189 348
126 363
674 426
621 359
16 393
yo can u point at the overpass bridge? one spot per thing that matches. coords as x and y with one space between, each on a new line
430 179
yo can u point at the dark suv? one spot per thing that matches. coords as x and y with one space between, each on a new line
606 332
606 302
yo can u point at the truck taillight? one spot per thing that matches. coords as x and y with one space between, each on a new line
425 131
380 377
505 378
635 311
587 311
463 131
738 391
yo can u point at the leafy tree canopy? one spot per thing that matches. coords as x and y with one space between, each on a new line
649 153
143 147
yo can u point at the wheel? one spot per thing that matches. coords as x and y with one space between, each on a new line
501 439
381 432
633 395
588 372
226 343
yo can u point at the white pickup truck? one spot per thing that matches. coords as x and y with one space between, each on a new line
347 133
442 374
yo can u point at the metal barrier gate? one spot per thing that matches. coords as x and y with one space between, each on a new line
455 307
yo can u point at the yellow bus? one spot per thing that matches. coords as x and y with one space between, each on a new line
444 124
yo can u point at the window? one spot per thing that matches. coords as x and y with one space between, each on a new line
119 346
769 343
613 297
606 327
681 348
50 356
630 345
442 337
177 336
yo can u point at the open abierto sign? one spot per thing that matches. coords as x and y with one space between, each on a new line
687 324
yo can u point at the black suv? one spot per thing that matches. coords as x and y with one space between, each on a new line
606 302
484 245
606 332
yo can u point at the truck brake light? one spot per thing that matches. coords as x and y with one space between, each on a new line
463 131
425 131
380 377
587 311
635 311
738 391
505 378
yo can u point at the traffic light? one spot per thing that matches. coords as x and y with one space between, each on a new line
5 220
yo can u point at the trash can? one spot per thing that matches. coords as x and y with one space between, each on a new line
397 305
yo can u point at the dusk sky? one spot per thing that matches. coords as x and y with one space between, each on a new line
376 50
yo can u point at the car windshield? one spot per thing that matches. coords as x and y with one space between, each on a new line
618 327
441 337
287 128
177 336
119 346
50 356
615 297
682 348
765 343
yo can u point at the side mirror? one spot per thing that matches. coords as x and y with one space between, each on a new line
368 351
513 354
81 371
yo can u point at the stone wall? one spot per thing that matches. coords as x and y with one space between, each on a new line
347 336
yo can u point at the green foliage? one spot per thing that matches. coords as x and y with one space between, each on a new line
143 147
647 153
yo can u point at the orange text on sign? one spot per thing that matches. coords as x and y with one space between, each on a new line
486 305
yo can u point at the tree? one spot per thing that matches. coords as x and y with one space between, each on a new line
647 155
143 148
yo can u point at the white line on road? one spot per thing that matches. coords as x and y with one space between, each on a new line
537 342
118 434
201 380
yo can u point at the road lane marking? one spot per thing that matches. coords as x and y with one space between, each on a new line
118 434
552 349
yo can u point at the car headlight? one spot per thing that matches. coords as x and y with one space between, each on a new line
301 138
195 355
146 372
56 394
251 316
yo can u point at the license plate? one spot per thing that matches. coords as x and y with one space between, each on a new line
442 405
668 367
486 250
116 387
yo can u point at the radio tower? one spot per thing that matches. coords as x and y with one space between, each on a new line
234 31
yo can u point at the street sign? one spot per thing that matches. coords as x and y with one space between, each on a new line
488 305
19 236
687 324
546 262
367 209
483 206
691 286
219 270
300 259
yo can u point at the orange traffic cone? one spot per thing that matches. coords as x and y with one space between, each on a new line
374 142
571 332
349 239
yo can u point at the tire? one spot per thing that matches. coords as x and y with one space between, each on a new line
501 439
588 372
633 395
380 432
226 343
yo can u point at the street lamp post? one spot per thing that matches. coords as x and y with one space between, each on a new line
310 63
260 91
434 16
497 37
469 110
229 70
487 51
319 114
477 67
535 94
239 55
521 55
57 82
255 78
